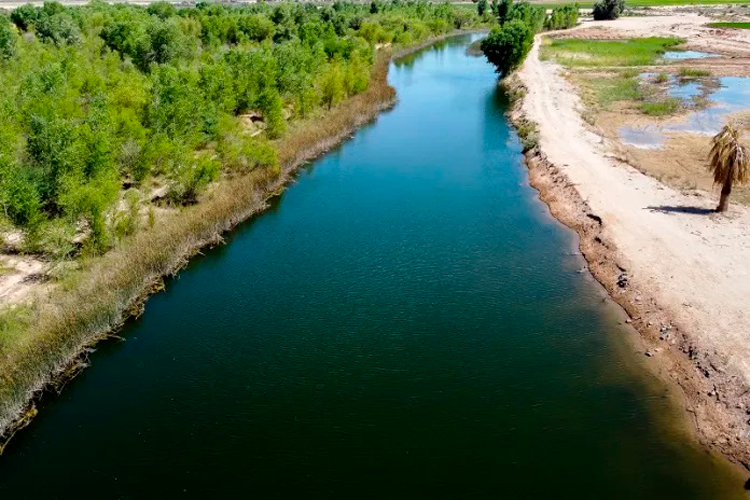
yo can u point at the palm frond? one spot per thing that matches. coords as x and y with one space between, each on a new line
728 158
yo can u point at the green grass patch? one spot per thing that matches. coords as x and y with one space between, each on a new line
737 26
660 107
609 90
588 53
624 86
693 72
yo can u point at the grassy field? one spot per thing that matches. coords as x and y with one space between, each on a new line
738 26
633 52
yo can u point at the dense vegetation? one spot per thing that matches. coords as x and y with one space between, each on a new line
608 9
508 44
106 107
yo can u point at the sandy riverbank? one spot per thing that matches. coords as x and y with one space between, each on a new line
680 271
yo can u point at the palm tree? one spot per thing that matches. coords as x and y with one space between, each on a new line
728 161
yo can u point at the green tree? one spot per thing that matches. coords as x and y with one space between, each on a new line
507 46
90 200
7 39
333 86
482 7
59 29
25 16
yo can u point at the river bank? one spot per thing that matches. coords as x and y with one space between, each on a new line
675 269
406 316
116 286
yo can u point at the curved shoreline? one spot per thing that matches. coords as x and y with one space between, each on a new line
713 395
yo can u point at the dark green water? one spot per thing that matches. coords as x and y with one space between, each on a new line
406 322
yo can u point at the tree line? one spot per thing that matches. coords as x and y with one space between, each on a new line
100 103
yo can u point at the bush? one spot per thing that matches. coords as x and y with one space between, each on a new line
59 29
562 17
7 39
506 47
190 176
90 200
608 9
25 16
243 155
482 6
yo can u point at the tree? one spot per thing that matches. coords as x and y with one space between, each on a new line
25 16
482 7
728 162
506 47
502 10
608 9
59 29
7 39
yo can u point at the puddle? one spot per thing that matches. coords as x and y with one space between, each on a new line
679 55
682 88
648 137
687 90
731 96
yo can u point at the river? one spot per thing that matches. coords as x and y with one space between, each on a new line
406 321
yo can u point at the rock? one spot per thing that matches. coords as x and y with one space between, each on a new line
622 280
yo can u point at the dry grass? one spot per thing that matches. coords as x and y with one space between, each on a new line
39 345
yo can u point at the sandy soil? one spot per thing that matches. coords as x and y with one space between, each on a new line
679 270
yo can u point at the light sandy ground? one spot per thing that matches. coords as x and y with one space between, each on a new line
694 264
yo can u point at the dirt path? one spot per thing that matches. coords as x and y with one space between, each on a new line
691 266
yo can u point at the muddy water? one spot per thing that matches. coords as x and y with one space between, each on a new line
407 321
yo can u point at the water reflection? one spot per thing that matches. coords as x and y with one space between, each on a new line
727 95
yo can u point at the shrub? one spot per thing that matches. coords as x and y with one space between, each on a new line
608 9
243 155
7 39
190 176
482 6
90 200
125 222
59 29
562 17
25 16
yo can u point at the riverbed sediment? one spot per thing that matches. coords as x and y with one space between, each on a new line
641 262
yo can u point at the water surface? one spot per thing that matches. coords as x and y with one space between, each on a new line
680 55
407 321
726 96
